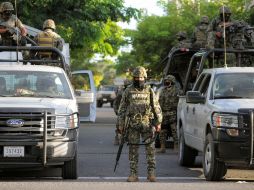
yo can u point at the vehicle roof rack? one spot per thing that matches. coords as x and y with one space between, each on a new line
34 58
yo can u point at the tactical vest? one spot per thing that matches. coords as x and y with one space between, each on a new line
139 108
201 33
45 39
168 99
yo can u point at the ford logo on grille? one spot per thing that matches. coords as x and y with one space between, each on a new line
15 122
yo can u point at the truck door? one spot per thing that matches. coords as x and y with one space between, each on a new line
85 92
200 111
190 115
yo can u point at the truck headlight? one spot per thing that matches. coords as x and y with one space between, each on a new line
225 120
67 121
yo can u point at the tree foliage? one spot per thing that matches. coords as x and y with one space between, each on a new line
155 35
89 26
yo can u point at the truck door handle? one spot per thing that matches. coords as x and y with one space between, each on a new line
193 110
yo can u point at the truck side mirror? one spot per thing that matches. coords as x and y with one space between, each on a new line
194 97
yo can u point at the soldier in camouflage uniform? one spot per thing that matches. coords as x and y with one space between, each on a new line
8 22
168 100
215 34
199 38
140 104
215 38
49 38
183 42
116 107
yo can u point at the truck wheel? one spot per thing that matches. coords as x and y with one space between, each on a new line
99 104
213 169
186 154
69 169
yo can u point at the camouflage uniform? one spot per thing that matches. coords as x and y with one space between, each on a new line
168 100
183 42
140 104
116 107
199 38
8 23
215 33
49 38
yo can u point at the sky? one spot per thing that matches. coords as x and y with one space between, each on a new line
150 5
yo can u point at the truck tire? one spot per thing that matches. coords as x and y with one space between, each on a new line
186 154
213 169
69 169
99 104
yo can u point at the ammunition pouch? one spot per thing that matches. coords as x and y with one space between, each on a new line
139 120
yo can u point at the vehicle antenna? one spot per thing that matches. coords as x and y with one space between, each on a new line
224 36
16 13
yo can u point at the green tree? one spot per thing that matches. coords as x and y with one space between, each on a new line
155 35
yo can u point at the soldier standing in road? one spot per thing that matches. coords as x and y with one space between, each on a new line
140 104
49 38
199 38
168 100
8 23
116 107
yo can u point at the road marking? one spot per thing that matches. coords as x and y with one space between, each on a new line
142 178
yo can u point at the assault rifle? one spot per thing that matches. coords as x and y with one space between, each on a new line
123 140
15 31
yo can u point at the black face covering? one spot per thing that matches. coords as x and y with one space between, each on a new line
139 84
168 84
227 17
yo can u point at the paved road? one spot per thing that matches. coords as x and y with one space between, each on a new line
96 161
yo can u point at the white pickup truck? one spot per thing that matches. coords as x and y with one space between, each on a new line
39 118
216 118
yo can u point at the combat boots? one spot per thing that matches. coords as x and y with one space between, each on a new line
132 178
162 149
151 177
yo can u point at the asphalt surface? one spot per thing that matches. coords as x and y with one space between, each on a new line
96 162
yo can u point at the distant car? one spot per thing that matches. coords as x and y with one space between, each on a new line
106 94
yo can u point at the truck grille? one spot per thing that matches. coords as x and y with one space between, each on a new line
247 124
32 122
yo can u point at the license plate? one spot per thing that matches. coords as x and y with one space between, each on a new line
104 99
14 151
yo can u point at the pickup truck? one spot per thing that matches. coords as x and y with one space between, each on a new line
217 118
106 94
39 120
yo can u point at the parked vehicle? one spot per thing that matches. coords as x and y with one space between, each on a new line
215 113
106 94
39 118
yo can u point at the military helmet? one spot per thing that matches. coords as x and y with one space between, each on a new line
6 6
181 34
204 19
139 72
170 78
49 23
226 10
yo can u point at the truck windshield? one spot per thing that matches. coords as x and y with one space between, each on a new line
33 84
234 86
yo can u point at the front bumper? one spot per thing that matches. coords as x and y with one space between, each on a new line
57 152
232 150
